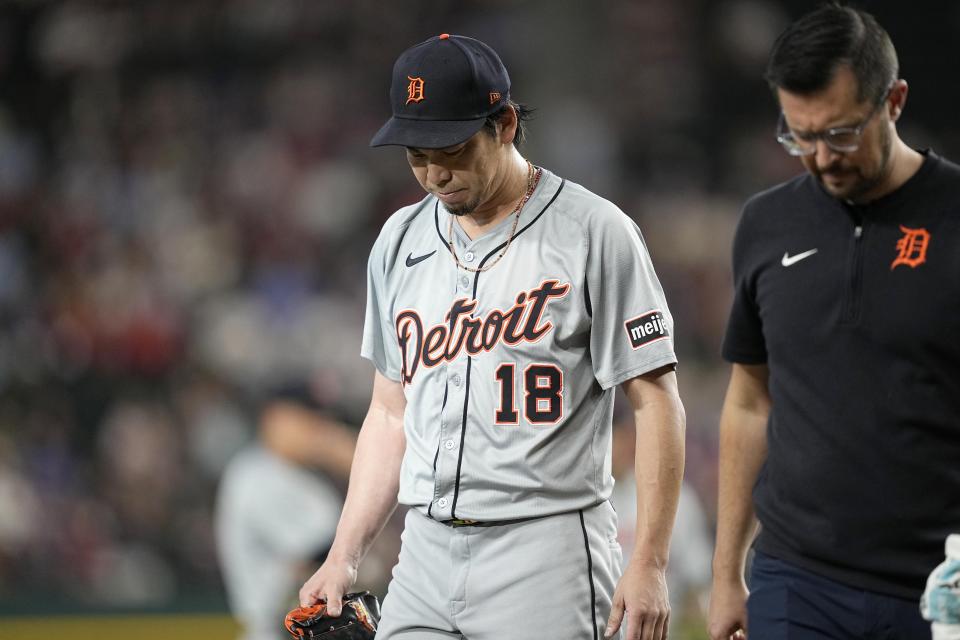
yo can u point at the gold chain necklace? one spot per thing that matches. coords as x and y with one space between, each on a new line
533 179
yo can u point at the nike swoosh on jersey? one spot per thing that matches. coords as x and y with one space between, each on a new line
412 261
790 260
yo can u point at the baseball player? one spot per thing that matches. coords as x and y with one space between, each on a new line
503 309
277 507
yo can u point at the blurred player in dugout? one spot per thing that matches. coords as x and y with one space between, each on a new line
841 427
277 508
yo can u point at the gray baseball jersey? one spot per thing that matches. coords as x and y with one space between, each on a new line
509 373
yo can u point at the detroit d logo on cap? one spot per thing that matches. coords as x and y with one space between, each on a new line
647 328
414 89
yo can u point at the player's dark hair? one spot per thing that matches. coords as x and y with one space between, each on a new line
806 55
524 113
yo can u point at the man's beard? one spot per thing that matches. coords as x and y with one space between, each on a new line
865 183
464 209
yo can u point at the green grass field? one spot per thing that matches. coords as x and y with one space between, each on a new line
173 627
120 627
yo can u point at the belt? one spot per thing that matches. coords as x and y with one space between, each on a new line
462 522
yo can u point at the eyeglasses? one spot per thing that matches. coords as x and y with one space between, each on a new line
839 139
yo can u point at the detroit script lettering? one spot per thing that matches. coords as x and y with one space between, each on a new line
461 331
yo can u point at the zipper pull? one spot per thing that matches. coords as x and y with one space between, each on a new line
858 231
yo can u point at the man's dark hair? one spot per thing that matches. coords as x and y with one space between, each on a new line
806 55
524 113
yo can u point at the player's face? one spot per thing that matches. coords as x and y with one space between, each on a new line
853 175
463 177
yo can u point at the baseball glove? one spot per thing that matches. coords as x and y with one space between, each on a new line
357 621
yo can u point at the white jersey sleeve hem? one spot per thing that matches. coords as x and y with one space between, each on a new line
633 372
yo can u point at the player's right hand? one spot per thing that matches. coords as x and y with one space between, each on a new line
329 584
727 619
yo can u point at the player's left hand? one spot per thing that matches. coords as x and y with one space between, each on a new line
358 620
641 602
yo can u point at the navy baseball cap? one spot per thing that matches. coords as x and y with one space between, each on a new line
442 92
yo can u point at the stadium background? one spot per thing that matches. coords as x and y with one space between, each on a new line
187 200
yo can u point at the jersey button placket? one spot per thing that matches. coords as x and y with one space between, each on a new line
445 479
446 464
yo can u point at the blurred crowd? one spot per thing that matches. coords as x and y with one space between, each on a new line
187 201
